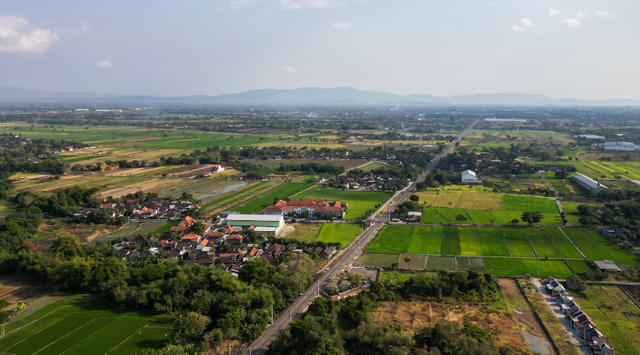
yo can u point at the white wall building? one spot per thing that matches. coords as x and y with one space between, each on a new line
620 146
470 177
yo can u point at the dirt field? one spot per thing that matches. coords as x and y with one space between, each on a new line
146 186
131 171
84 232
532 329
15 290
416 315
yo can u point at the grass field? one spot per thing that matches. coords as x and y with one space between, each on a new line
616 316
82 324
529 204
518 245
452 213
392 240
339 233
359 202
425 240
462 199
571 209
492 242
380 260
542 245
306 232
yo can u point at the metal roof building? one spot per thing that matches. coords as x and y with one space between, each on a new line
608 266
588 183
620 146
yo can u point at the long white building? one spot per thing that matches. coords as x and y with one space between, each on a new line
620 146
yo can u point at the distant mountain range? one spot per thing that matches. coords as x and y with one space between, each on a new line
340 96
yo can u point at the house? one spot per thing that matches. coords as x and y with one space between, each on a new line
203 243
414 216
314 207
588 183
192 237
216 168
600 345
470 177
236 239
327 253
607 266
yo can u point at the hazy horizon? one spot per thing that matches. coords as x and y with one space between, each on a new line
569 49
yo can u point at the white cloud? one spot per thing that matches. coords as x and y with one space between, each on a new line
581 14
238 4
287 69
554 12
526 22
571 22
605 14
342 25
17 37
317 4
104 64
516 28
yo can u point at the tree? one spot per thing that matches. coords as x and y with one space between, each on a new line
255 271
515 221
198 228
407 259
492 221
561 174
461 218
532 217
394 265
414 198
66 247
190 325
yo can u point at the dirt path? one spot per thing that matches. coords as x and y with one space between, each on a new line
551 302
530 327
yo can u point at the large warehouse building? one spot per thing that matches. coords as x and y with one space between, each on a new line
588 183
264 224
620 146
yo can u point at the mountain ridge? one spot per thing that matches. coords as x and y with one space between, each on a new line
305 96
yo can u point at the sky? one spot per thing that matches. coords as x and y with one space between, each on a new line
561 48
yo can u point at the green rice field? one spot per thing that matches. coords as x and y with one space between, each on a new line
529 204
82 324
260 202
511 250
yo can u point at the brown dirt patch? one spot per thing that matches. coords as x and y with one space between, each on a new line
84 232
146 186
415 315
15 290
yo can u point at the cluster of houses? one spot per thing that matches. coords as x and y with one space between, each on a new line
368 181
586 328
223 245
164 208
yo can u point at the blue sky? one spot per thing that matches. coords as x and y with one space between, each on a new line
571 48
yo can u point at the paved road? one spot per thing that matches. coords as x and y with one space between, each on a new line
551 302
345 259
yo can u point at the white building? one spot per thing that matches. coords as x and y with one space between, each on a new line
470 177
216 168
588 183
267 224
620 146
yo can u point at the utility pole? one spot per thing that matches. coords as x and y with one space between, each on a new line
290 316
271 314
318 287
229 349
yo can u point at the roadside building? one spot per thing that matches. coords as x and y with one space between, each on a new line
620 146
296 207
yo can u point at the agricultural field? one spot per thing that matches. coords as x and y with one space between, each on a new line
412 261
508 267
500 138
425 240
571 209
529 204
462 199
342 233
430 216
610 170
451 241
615 315
359 201
468 263
435 262
392 240
470 242
259 202
142 228
452 214
596 247
492 242
379 260
218 203
82 324
564 245
542 245
517 244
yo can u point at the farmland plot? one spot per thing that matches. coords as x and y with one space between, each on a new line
392 239
492 242
529 204
617 253
508 267
563 244
452 214
587 245
518 245
430 216
425 241
469 241
451 241
542 245
339 233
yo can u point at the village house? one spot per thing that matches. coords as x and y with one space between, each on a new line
297 207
